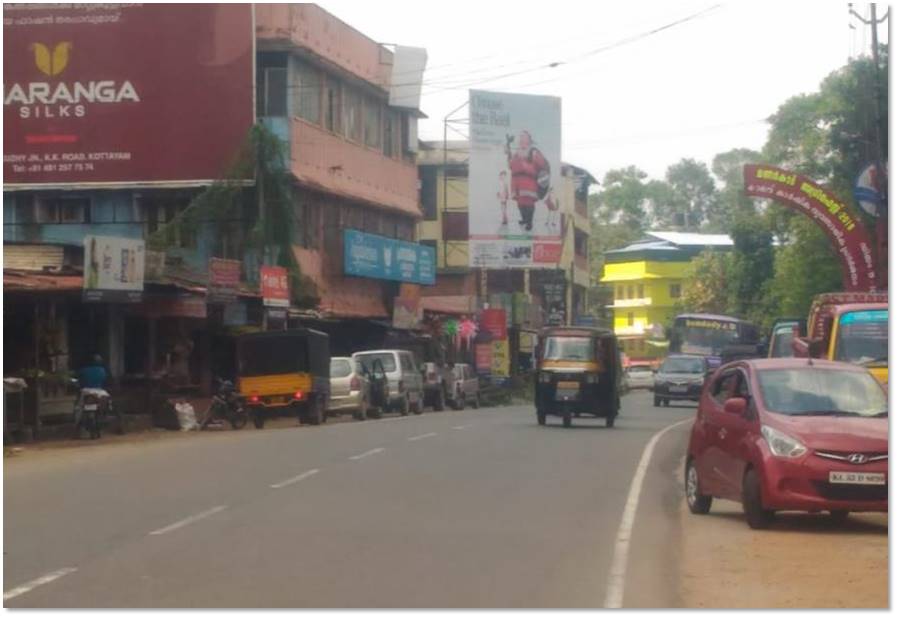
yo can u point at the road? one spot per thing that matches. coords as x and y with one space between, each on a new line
478 509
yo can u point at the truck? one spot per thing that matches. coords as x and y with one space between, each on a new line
848 327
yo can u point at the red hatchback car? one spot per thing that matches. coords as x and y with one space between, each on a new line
790 434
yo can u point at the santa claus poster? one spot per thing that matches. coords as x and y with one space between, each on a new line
514 180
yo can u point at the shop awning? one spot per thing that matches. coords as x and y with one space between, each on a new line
340 303
14 281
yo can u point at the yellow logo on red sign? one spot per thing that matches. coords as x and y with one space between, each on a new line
51 63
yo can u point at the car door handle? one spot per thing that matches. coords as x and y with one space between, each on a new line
722 433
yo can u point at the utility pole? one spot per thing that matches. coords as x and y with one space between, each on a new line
879 155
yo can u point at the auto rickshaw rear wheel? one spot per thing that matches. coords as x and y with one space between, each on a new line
258 419
540 416
568 419
314 413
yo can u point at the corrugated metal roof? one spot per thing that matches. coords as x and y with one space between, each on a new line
14 280
681 238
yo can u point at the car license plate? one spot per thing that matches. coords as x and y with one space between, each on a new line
90 408
680 389
850 477
568 385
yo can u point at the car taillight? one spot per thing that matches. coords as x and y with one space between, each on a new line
355 384
298 396
254 398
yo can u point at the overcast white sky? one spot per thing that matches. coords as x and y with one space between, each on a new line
693 90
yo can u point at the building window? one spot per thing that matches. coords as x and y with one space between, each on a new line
352 110
405 230
372 127
630 292
630 319
390 134
271 85
675 290
332 107
641 344
63 210
373 222
308 222
429 191
641 291
307 103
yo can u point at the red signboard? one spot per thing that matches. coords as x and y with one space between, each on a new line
224 280
495 322
124 93
837 219
275 286
483 359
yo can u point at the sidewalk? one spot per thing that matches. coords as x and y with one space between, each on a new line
802 561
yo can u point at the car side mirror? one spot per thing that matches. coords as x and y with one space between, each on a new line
735 406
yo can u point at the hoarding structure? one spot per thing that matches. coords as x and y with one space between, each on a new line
514 218
113 269
125 94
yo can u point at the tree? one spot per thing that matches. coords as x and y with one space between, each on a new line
728 167
706 288
692 195
751 268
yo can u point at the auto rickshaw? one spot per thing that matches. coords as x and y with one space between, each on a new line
578 373
286 369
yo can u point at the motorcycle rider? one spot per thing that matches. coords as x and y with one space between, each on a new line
92 380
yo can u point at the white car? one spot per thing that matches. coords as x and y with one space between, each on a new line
639 377
405 389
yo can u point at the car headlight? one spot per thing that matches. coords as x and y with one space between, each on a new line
591 378
544 377
782 445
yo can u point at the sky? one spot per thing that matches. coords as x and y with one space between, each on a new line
630 96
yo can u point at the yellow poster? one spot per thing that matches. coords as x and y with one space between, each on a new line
501 361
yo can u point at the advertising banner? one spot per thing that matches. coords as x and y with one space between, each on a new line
483 358
514 180
113 269
379 257
124 94
275 286
554 302
224 281
495 322
501 360
840 223
184 304
406 313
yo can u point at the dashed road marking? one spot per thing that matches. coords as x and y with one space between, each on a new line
462 427
424 436
358 457
188 520
294 480
31 585
616 580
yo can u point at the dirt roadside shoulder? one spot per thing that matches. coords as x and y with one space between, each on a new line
802 561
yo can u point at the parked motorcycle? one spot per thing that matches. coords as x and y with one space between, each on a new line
227 404
92 409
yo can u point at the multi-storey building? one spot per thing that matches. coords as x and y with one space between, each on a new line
647 278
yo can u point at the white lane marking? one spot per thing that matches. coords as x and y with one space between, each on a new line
616 580
358 457
299 478
43 580
462 427
395 419
424 436
188 520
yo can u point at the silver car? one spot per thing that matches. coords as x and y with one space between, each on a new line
463 386
349 390
639 377
405 389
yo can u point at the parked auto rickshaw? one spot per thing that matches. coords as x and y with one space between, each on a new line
284 369
578 373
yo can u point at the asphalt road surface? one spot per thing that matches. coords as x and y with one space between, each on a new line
472 509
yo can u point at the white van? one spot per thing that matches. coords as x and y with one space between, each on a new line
405 390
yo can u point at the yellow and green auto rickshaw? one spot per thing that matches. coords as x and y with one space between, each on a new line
578 373
287 369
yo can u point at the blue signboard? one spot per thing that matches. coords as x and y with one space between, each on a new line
379 257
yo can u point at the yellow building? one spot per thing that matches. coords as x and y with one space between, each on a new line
647 278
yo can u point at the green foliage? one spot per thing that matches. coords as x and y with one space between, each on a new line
706 288
692 197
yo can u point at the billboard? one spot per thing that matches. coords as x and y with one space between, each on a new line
379 257
124 94
839 221
224 280
514 180
275 286
113 269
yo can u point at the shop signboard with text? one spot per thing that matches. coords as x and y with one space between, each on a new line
113 269
224 280
125 94
275 286
379 257
514 180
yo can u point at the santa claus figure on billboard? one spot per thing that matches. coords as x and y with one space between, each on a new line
530 177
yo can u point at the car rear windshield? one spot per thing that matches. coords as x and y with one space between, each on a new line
388 360
639 369
682 365
806 391
569 348
340 368
273 356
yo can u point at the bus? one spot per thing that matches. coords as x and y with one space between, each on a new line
718 338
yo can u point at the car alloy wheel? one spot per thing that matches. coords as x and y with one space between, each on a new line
697 503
